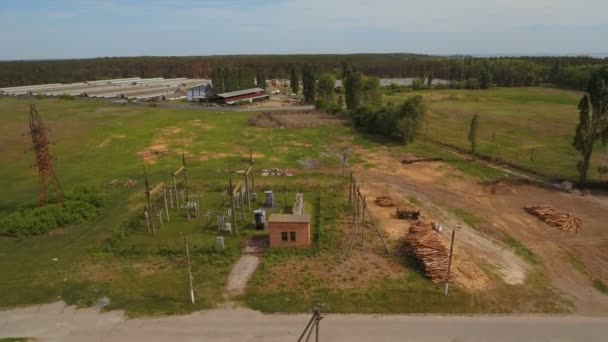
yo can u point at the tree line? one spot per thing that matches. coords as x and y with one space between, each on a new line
572 72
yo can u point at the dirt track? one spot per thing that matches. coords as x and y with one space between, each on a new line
440 188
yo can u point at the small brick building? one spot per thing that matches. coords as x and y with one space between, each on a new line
289 230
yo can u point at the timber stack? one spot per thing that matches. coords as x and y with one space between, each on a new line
566 222
423 243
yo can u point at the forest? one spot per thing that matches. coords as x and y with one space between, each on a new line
567 72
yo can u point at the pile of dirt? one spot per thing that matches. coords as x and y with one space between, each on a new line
423 243
384 201
566 222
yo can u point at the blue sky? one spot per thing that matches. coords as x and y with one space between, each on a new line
37 29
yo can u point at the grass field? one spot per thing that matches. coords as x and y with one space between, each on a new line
97 143
542 119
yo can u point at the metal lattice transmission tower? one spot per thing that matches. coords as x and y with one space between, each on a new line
47 180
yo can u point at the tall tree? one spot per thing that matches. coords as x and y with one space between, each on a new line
260 79
593 120
217 79
294 80
371 94
326 87
353 87
309 83
473 135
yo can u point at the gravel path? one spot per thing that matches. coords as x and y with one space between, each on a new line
240 274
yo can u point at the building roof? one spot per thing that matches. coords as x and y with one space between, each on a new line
249 98
241 92
289 218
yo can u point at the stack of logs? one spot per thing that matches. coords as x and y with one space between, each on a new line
423 243
566 222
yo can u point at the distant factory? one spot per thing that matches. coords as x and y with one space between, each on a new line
134 89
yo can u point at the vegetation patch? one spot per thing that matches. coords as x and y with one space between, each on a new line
600 286
79 206
520 249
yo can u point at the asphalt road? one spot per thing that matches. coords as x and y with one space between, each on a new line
56 322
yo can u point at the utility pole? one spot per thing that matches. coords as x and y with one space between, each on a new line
189 270
447 279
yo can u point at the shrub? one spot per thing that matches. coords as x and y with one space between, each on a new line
79 206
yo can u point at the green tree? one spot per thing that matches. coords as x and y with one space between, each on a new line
593 120
353 87
411 114
294 80
309 83
260 79
429 81
326 90
371 94
418 83
217 79
473 135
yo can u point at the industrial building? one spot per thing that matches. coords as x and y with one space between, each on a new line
248 95
134 88
289 230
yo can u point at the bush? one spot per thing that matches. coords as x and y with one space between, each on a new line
66 97
79 206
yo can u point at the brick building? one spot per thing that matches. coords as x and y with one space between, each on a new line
289 230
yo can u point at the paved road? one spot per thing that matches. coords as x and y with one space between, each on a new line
56 322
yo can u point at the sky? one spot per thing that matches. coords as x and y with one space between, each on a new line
53 29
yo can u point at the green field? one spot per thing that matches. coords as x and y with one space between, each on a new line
542 119
97 143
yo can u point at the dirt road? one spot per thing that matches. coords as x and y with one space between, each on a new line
56 322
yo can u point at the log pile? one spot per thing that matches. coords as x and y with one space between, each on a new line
384 201
407 214
422 243
566 222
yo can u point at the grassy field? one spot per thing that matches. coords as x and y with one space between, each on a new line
542 119
96 144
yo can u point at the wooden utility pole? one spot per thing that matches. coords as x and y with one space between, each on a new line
232 202
363 220
189 270
149 204
447 279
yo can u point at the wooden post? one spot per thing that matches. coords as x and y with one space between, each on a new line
447 280
350 189
242 205
247 192
532 154
166 205
232 202
185 175
252 171
175 191
189 270
171 196
147 216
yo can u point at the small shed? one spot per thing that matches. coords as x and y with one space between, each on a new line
289 230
